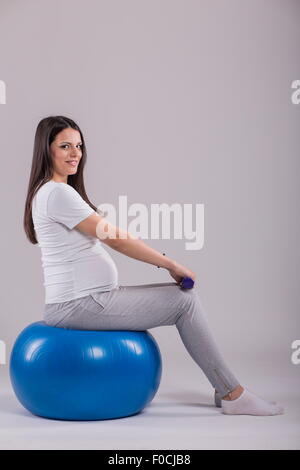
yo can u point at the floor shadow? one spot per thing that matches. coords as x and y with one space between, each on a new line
189 398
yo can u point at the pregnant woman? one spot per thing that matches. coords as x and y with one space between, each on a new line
81 278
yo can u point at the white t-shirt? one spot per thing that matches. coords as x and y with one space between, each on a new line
75 264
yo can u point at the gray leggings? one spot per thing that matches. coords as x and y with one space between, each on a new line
144 307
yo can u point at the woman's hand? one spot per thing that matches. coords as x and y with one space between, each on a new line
178 272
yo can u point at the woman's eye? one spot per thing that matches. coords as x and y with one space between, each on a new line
66 145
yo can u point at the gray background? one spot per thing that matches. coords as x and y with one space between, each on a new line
179 101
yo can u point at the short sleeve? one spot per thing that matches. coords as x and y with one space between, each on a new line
65 205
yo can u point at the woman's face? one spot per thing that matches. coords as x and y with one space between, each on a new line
66 153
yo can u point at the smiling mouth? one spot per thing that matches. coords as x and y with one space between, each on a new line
72 162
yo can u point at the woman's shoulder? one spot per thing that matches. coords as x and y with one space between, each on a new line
65 187
55 194
51 186
43 190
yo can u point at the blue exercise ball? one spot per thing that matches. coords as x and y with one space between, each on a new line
84 374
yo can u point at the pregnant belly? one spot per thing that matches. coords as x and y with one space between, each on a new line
98 270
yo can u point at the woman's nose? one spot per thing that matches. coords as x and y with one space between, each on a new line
75 152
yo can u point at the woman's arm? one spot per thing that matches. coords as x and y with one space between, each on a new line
137 249
124 242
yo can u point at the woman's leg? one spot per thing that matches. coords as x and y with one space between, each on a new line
152 305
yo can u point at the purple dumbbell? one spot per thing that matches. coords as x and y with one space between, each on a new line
187 283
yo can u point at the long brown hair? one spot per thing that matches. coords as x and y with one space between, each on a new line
42 168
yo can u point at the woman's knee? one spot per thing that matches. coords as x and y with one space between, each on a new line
188 298
190 304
